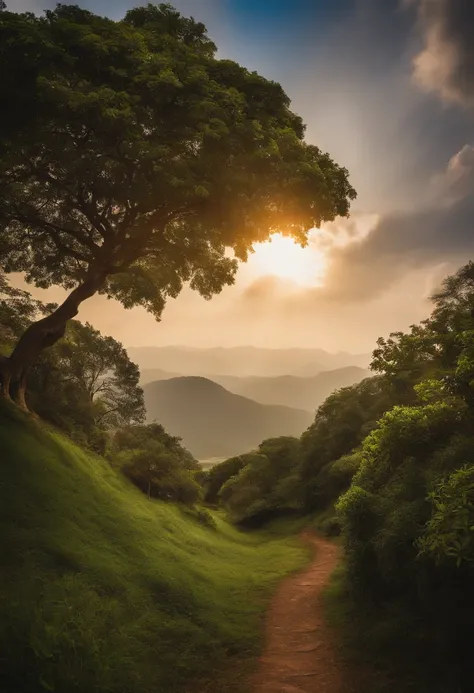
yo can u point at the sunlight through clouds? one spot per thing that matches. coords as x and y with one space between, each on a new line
283 258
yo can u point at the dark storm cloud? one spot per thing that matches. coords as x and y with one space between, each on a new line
446 64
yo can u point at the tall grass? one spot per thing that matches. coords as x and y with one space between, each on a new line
102 590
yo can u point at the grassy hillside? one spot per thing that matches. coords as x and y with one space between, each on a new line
214 422
102 590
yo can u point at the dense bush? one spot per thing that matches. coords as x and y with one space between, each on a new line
408 516
217 476
340 425
267 484
156 463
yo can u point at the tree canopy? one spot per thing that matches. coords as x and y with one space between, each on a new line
147 157
156 463
136 161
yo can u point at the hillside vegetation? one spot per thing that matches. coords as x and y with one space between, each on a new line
214 422
388 463
103 590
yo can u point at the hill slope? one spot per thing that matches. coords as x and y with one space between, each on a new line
102 590
214 422
293 391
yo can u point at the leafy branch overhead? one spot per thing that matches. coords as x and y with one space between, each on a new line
145 157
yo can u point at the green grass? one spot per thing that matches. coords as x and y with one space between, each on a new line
102 590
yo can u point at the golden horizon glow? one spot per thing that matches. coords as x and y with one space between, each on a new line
282 257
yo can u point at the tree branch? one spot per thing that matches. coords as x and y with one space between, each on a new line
48 229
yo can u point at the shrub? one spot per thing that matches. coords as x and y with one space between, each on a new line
448 537
267 485
217 476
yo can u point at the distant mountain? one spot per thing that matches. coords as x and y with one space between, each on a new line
242 361
309 370
148 375
291 391
214 422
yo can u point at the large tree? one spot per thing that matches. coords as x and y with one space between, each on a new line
133 161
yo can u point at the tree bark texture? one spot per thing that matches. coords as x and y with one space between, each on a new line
40 335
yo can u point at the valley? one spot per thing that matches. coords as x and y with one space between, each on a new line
223 415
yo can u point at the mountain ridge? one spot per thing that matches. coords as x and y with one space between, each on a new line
214 422
242 361
292 391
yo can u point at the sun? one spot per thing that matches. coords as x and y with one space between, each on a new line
282 257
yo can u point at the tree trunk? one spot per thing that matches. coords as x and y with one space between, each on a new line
40 335
5 377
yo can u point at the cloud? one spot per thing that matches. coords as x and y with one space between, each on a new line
402 242
446 63
379 252
458 180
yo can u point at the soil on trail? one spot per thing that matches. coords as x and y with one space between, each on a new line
299 656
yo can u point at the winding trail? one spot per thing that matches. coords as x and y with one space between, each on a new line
299 656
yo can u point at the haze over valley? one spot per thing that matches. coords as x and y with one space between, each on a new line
197 393
241 361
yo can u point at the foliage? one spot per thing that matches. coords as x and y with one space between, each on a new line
449 535
408 516
266 485
156 463
93 369
310 475
329 483
146 157
102 590
219 474
86 384
17 310
407 359
340 426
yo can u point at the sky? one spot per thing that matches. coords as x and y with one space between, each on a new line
387 88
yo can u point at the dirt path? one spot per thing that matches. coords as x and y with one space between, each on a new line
298 655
